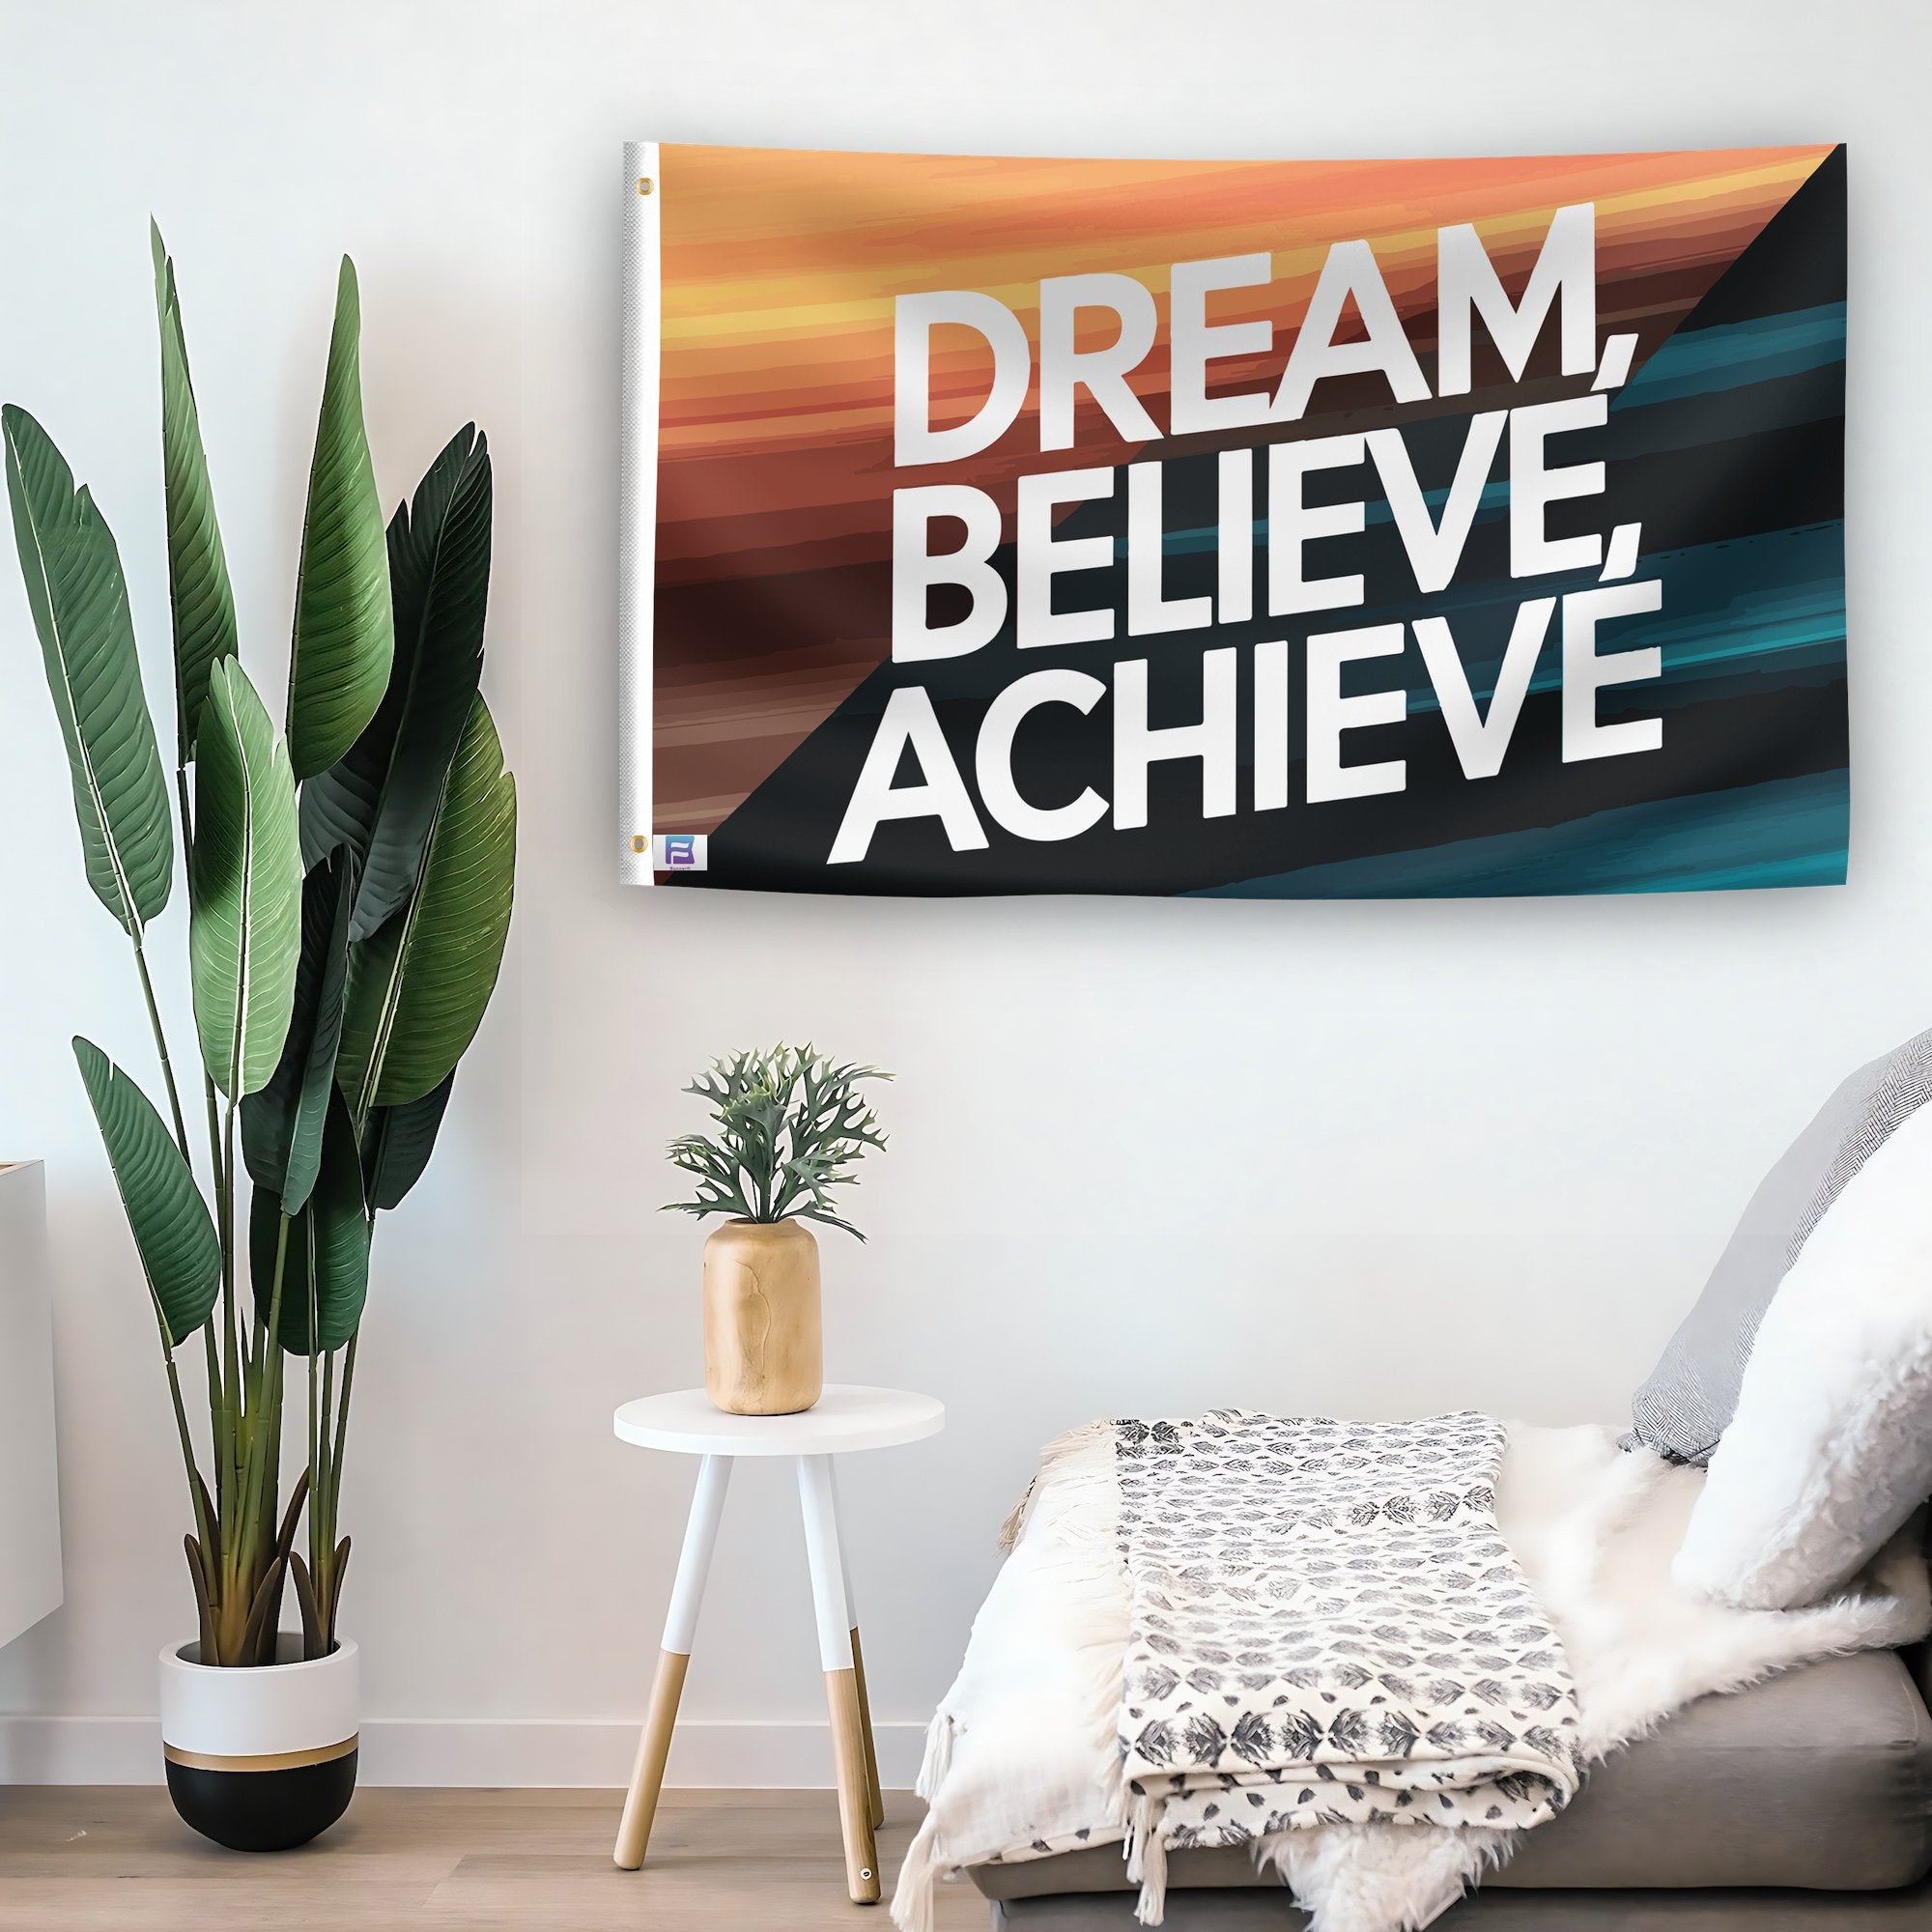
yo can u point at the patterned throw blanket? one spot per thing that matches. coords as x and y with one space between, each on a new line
1023 1758
1326 1627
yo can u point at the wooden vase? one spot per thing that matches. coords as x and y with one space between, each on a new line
765 1348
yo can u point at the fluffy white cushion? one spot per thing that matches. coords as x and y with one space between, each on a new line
1831 1449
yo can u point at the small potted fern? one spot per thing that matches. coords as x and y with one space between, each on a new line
790 1126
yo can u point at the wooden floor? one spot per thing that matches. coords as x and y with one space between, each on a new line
76 1860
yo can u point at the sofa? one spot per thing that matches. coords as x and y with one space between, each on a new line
1801 1382
1802 1805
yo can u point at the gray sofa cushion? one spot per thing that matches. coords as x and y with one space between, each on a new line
1490 1910
1820 1779
1693 1393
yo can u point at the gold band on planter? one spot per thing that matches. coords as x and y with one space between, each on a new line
268 1761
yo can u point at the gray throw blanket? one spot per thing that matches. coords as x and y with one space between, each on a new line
1326 1627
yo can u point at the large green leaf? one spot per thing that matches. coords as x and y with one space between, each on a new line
245 882
173 1234
381 798
418 987
343 636
198 588
281 1125
79 601
326 1263
398 1141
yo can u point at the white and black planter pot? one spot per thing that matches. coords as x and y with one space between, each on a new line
261 1760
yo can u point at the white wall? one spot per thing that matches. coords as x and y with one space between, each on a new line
1148 1156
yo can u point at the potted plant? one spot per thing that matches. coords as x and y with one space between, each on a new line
790 1126
349 885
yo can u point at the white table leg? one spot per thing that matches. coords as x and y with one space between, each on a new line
874 1793
818 1504
694 1565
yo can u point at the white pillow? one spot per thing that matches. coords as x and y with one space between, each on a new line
1831 1449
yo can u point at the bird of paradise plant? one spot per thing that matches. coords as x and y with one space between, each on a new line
349 881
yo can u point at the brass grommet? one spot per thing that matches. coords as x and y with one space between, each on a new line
644 184
639 843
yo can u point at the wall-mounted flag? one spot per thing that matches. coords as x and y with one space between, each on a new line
1274 529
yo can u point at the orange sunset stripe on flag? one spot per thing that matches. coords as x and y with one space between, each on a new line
777 275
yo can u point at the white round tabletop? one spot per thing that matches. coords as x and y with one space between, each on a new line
845 1417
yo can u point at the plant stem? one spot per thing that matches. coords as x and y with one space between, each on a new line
342 1418
231 1359
315 1439
215 1434
322 1527
219 1433
267 1407
234 1418
212 1105
321 1521
194 1488
161 1047
190 1468
242 1566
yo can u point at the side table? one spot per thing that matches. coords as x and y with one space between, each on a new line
844 1419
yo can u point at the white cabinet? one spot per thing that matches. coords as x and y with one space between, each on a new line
30 1558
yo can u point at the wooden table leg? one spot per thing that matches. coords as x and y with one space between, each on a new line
693 1564
874 1796
877 1797
819 1509
855 1807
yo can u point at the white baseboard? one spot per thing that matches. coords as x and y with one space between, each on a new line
479 1752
